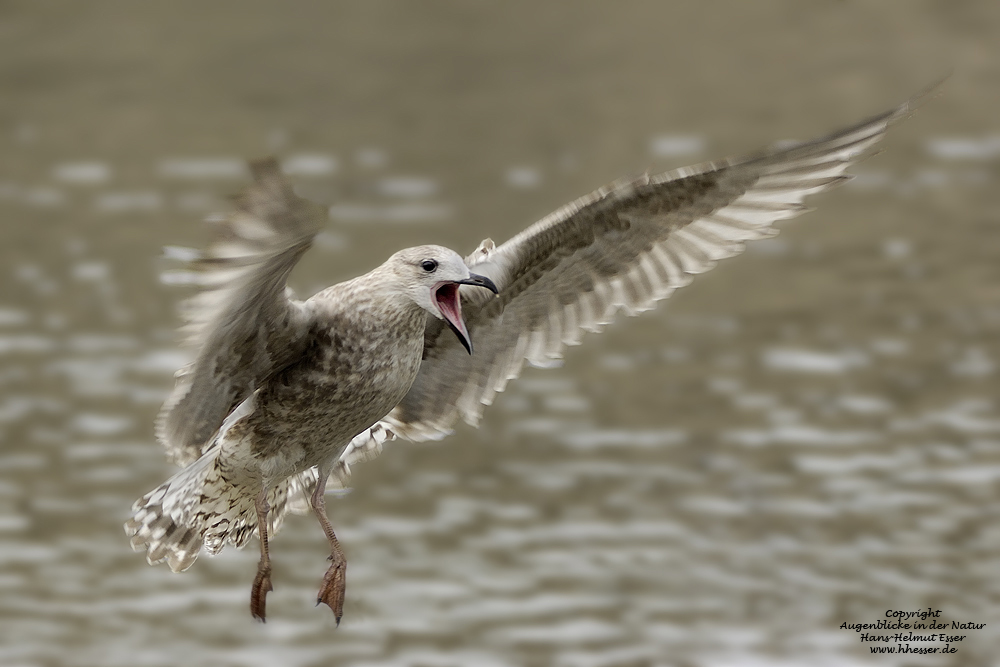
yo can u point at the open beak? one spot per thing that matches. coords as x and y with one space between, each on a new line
450 305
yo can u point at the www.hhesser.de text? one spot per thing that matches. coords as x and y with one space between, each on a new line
899 648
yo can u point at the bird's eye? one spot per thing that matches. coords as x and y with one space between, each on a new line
428 265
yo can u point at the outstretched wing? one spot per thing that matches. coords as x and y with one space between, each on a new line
242 323
624 247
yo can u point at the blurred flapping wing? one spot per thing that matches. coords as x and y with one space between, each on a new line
625 246
242 323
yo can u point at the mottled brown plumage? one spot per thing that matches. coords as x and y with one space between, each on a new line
280 387
284 395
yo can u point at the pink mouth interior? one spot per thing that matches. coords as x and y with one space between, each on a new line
449 303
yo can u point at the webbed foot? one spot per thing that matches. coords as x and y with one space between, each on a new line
331 592
258 593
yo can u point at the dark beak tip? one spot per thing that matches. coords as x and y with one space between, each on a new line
466 343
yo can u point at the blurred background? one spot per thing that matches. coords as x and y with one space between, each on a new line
808 435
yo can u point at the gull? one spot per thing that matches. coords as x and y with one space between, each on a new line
283 396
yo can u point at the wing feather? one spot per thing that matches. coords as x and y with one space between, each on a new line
622 247
242 324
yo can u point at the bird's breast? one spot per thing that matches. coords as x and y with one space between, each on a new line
350 376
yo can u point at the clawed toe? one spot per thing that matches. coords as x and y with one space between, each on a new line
258 594
331 592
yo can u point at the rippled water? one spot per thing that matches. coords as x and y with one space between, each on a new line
808 435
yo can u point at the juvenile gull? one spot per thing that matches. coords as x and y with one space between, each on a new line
284 395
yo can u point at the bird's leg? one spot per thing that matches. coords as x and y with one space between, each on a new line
334 584
262 582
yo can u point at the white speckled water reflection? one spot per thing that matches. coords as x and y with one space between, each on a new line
808 435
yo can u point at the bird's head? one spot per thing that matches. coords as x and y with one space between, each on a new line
431 276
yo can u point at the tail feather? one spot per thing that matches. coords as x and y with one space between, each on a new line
198 508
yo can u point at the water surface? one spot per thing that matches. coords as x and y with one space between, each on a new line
807 435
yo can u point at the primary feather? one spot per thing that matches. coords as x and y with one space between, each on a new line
622 247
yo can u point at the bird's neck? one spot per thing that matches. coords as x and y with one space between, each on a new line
373 301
